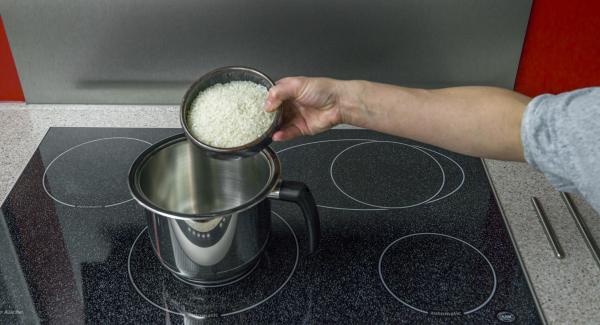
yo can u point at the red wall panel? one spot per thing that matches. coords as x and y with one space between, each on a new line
10 86
562 47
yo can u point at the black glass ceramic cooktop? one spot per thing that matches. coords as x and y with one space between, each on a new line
410 234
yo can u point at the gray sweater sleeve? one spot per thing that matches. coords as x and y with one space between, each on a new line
561 137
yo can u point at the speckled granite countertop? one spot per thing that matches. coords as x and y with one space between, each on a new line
568 289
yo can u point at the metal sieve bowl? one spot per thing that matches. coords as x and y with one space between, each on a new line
224 75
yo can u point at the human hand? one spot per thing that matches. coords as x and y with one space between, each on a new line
310 105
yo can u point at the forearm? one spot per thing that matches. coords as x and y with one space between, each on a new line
477 121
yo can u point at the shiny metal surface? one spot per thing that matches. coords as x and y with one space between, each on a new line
221 76
149 52
548 230
176 179
209 219
211 252
583 229
276 192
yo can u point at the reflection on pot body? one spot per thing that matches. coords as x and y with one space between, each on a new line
187 235
218 249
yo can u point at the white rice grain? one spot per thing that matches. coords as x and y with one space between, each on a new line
230 115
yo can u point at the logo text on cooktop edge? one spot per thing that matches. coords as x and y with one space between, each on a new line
445 313
506 317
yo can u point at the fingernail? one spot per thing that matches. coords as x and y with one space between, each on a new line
267 105
276 136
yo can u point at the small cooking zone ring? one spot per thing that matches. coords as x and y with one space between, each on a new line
80 179
437 274
386 191
454 177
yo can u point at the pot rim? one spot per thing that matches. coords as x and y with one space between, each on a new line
139 196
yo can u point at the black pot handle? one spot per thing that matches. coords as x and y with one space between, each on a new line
299 193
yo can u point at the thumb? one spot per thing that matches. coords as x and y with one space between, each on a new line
284 89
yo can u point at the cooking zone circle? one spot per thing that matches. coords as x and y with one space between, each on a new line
163 290
437 274
449 185
74 176
363 177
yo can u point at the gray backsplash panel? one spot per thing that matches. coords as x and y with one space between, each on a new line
148 52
